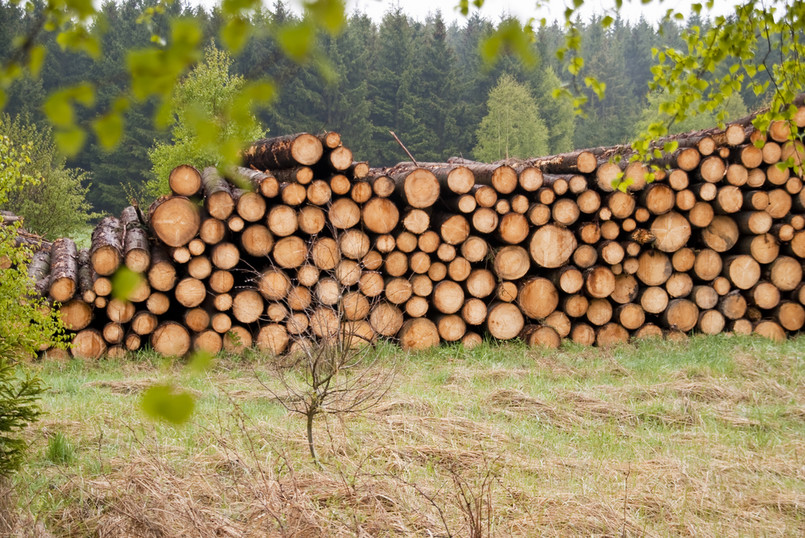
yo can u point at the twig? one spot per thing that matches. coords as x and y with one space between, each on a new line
404 148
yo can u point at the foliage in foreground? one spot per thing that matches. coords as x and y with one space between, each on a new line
26 322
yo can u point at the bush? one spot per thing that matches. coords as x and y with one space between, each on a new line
27 323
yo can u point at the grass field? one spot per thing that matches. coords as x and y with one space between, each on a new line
702 438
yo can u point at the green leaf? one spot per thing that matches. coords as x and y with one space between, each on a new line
329 14
200 361
697 8
296 41
70 140
165 402
124 282
607 21
35 59
109 129
235 33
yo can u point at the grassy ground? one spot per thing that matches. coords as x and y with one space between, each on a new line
703 438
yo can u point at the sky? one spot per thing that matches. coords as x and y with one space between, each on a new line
524 9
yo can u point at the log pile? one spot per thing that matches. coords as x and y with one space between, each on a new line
304 244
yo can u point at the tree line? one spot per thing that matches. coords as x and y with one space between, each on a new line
424 80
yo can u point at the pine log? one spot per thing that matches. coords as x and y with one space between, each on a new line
671 231
611 334
386 319
284 152
742 270
75 314
106 253
511 262
451 328
599 312
418 333
537 298
504 321
63 270
170 339
551 246
174 220
88 344
785 273
184 180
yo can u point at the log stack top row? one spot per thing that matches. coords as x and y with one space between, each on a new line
303 244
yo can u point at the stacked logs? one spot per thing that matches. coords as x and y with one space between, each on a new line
304 244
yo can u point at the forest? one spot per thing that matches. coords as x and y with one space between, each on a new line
425 81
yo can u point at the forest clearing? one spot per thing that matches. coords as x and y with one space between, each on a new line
701 438
294 270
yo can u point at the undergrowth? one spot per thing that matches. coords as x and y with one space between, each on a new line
705 438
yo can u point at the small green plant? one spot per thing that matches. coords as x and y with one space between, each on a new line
60 450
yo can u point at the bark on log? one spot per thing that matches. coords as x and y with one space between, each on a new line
284 152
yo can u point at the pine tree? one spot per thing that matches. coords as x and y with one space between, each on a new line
512 126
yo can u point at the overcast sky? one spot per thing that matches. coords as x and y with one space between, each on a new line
524 9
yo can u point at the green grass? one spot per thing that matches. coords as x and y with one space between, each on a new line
705 437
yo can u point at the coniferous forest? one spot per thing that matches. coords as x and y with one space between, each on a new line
425 81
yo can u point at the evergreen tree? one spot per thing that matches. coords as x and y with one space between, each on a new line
556 113
512 126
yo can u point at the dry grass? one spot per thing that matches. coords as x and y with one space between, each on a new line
706 440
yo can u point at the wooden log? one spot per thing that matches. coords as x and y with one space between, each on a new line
418 333
419 188
284 152
247 306
537 298
631 316
221 322
780 203
683 259
222 302
708 264
106 253
448 297
568 279
170 339
611 334
63 270
398 290
511 262
754 222
225 256
386 319
396 264
575 306
185 180
541 336
474 249
679 285
732 305
681 315
711 322
785 273
379 215
654 299
654 268
485 220
221 281
504 321
257 240
199 267
551 246
474 311
135 251
599 312
599 282
764 295
671 231
132 341
565 211
722 234
582 334
451 328
742 270
272 338
459 269
769 329
290 252
790 315
585 256
237 339
174 220
75 314
626 289
88 344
